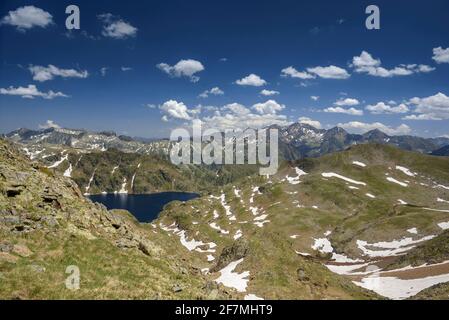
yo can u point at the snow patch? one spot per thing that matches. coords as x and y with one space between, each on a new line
397 182
232 279
335 175
358 163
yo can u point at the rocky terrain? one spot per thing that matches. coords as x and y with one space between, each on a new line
370 217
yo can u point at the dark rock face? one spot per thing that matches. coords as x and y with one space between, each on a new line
236 251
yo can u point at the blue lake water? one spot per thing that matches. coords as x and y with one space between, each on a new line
145 207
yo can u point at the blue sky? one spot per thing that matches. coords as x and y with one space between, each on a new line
139 68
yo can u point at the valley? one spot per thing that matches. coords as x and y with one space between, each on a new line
367 222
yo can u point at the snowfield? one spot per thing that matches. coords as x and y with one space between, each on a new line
335 175
398 289
389 248
232 279
397 182
406 171
358 163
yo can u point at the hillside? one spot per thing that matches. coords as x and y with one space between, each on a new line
47 225
355 212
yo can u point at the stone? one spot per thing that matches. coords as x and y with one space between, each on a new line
6 247
37 268
177 288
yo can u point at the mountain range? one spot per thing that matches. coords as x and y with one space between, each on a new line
296 141
369 222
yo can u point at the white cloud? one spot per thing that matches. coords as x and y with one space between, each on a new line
124 69
103 71
116 28
268 107
330 72
435 107
184 68
242 120
313 123
293 73
267 93
216 91
350 111
315 98
42 74
49 124
28 17
251 80
362 127
383 108
348 102
237 109
441 55
365 63
31 92
176 110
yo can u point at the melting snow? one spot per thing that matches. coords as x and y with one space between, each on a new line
68 172
413 231
406 171
216 227
358 163
395 288
123 189
444 225
402 202
57 163
238 234
335 175
252 297
370 195
390 248
210 257
442 200
232 279
397 182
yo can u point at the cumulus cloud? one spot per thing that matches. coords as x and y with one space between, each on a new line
350 111
268 107
383 108
124 69
251 80
267 93
329 72
313 123
434 107
42 74
441 55
230 120
347 102
27 17
315 98
114 27
49 124
237 109
176 110
30 92
216 91
362 127
365 63
293 73
184 68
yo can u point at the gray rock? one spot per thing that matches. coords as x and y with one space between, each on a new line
37 268
6 247
177 288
